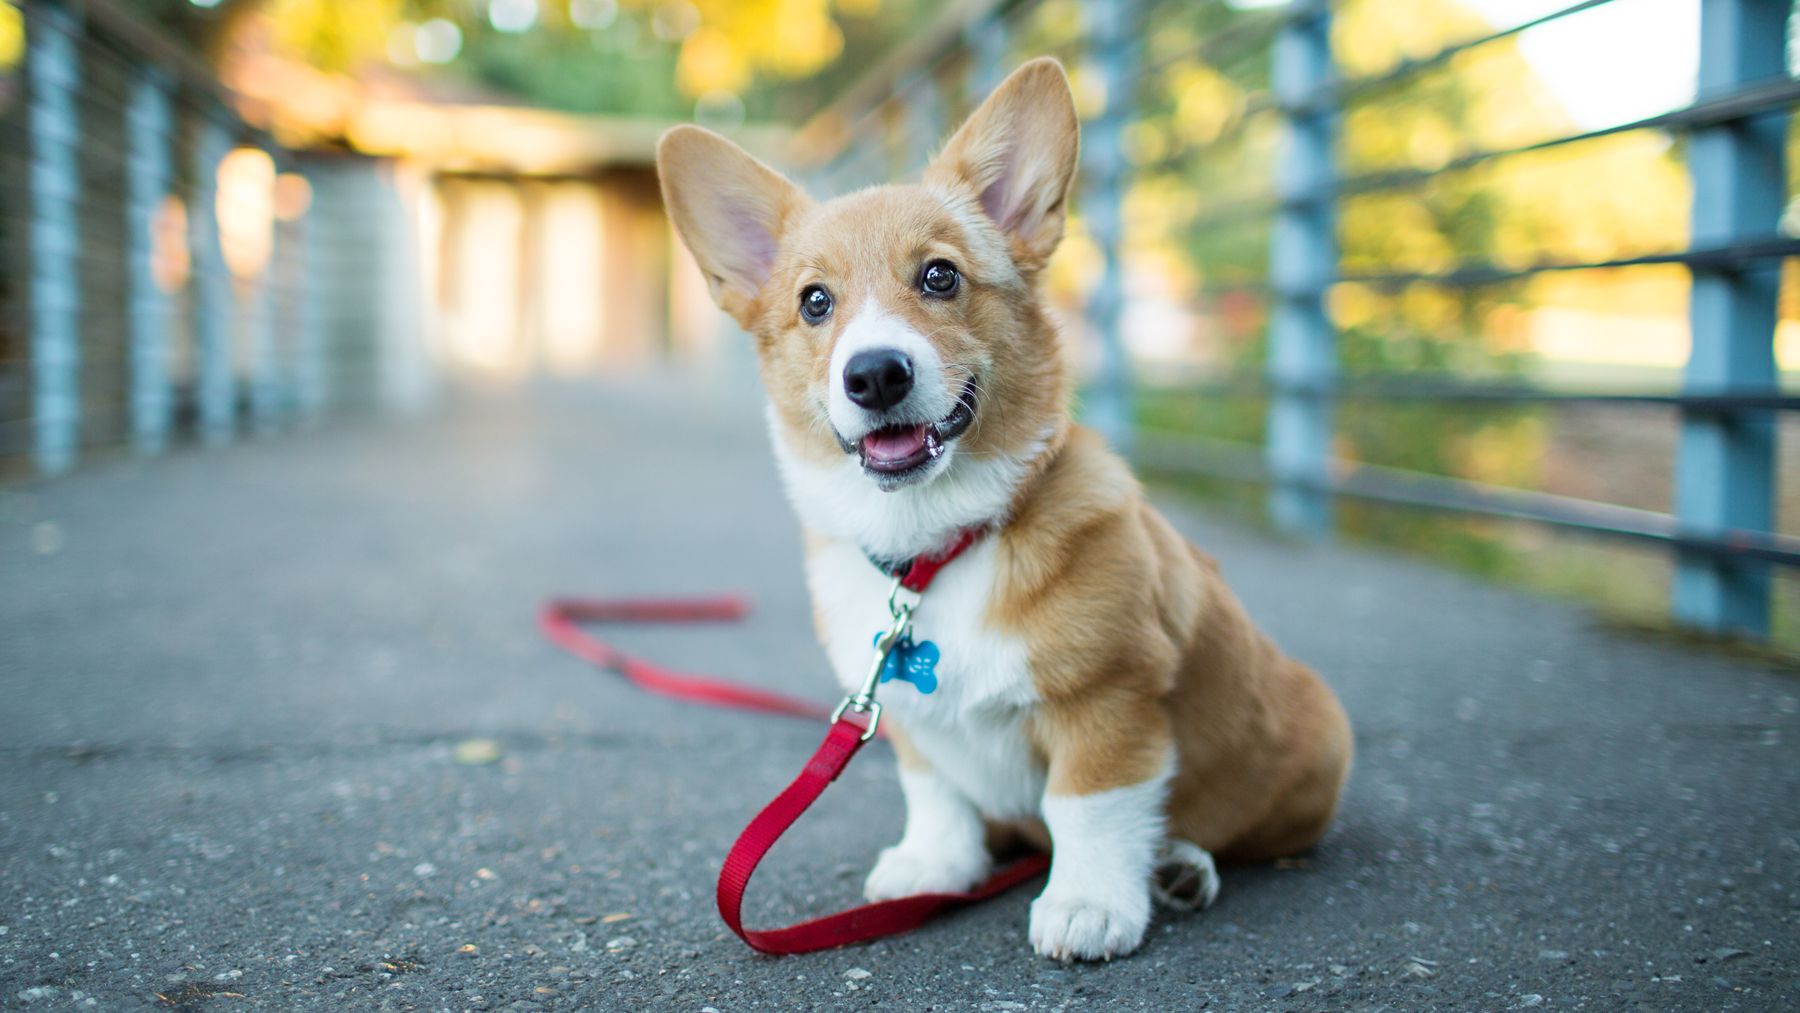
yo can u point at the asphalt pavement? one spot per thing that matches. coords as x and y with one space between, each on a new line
277 732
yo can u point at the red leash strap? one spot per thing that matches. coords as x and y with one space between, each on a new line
858 924
560 621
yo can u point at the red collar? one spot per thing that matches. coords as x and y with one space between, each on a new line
917 573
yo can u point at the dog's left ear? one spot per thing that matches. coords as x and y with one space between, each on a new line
1017 154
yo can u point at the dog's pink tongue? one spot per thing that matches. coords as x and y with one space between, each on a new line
893 444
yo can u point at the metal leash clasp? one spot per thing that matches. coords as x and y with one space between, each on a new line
863 700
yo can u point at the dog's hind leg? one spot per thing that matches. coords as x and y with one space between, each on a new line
1184 877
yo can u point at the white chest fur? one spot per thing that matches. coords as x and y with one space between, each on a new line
972 727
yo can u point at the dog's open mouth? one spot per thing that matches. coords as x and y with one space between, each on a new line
896 450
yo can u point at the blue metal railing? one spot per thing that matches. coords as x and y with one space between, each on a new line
1721 533
1725 469
123 325
1302 266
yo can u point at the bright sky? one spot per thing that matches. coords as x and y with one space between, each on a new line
1619 62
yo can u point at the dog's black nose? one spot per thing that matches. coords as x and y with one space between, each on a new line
878 378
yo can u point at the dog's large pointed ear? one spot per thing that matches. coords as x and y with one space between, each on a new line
1017 155
730 210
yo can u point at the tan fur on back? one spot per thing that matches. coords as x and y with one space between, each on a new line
1137 643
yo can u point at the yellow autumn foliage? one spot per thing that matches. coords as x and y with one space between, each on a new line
333 35
727 43
739 39
12 36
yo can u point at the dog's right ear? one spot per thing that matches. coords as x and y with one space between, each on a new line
730 210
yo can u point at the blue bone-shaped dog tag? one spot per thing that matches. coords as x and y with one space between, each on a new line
910 662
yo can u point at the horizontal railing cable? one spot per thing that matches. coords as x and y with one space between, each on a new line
1221 48
1411 388
1706 258
1253 26
1723 257
1741 104
1355 88
1737 105
859 113
1398 487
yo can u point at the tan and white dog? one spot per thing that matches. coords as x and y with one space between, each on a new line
1098 683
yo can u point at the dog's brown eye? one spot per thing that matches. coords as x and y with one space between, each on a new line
939 278
815 303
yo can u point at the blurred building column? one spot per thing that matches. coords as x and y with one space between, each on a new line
211 283
869 165
408 371
924 109
1113 28
833 178
989 42
54 77
1725 471
1302 364
148 124
297 253
257 308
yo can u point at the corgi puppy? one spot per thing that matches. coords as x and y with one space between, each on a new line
1098 689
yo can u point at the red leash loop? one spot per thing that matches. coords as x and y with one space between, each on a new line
857 924
560 621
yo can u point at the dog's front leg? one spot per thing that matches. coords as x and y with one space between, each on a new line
943 849
1104 806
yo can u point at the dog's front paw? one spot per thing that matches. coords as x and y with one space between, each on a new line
1088 928
902 872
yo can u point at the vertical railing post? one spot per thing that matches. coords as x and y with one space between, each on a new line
1113 27
211 284
148 168
1725 472
1302 360
54 75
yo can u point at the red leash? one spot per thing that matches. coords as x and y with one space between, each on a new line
561 618
560 621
